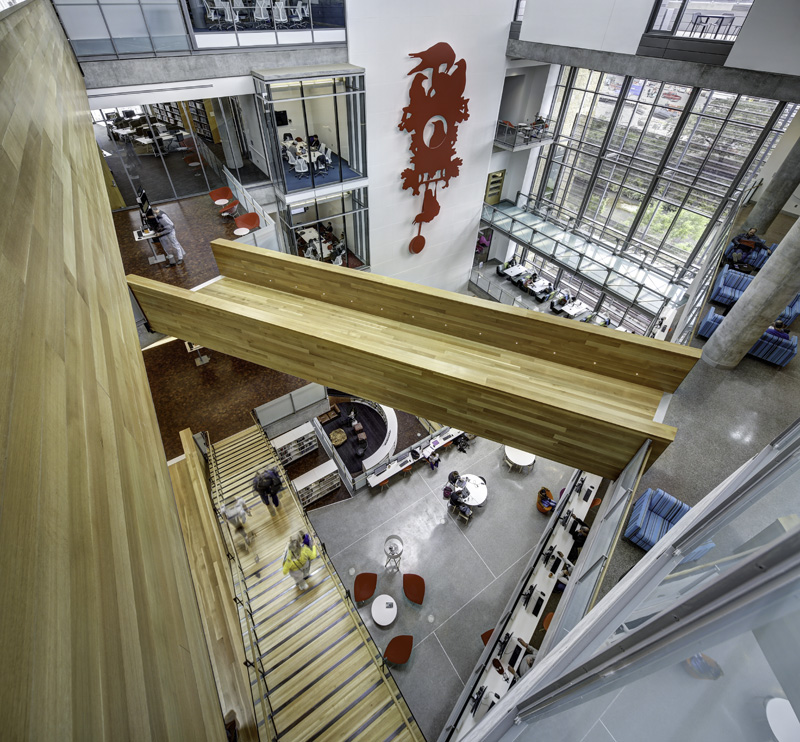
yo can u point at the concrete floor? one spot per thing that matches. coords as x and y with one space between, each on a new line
469 569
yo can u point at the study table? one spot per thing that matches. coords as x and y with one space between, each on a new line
475 491
521 459
574 308
311 236
514 270
140 235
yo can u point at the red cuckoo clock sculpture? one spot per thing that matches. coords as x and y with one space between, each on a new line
436 106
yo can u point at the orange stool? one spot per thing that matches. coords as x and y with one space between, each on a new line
546 622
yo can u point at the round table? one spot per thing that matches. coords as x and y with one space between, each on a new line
476 492
782 720
384 610
219 201
241 231
522 459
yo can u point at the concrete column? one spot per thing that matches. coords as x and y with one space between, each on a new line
776 284
778 192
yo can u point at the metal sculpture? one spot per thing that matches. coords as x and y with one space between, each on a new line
436 106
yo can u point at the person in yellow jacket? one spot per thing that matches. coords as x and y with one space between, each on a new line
297 561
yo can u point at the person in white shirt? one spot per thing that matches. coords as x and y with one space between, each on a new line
236 514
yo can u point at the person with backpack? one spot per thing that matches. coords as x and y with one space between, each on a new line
268 484
297 559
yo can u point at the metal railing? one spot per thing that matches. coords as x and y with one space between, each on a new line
522 135
241 598
347 600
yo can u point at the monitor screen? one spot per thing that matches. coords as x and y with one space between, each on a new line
129 114
281 118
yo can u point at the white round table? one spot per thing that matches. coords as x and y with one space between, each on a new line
241 231
522 459
476 492
384 610
220 201
782 720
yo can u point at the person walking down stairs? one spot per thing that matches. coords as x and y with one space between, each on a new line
268 484
297 560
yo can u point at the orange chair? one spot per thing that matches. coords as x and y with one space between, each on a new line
246 223
414 588
546 621
221 196
486 635
399 649
229 209
364 586
595 502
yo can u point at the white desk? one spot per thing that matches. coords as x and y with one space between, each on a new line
440 440
514 270
522 459
475 492
574 308
124 132
384 610
140 236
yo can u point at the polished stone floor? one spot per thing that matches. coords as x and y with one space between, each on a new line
469 569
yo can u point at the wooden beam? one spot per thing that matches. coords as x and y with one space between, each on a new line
617 355
563 413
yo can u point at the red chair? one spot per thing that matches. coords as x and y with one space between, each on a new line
246 223
229 209
221 196
414 588
399 649
364 587
546 622
486 635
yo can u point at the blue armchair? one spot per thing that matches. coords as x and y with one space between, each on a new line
768 347
791 312
654 513
756 258
729 286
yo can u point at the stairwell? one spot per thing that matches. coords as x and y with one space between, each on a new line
317 674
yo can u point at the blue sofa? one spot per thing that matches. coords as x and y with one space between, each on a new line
756 258
729 286
791 312
654 513
768 347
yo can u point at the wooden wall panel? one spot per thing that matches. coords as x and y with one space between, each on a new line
100 636
568 415
617 355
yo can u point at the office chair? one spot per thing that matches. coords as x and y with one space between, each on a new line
180 146
298 14
300 167
261 16
281 19
287 137
226 20
214 19
241 14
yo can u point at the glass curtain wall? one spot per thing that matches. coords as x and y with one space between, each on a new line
716 20
316 131
651 167
178 149
247 16
333 228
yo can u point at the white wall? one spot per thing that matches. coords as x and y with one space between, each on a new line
607 25
778 155
380 37
253 132
768 40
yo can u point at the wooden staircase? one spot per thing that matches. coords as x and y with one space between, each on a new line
318 676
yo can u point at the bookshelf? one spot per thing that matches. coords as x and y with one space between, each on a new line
317 483
295 444
204 120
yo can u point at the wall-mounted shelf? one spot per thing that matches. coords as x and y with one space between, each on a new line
296 443
317 483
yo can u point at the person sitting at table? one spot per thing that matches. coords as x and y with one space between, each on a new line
778 329
457 502
292 148
452 478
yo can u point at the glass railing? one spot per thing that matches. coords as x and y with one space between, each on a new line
524 134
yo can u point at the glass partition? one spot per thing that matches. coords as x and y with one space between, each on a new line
333 229
715 20
315 130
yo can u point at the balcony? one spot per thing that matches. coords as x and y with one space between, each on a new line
514 137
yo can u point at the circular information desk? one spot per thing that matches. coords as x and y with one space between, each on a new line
522 459
384 610
782 720
476 492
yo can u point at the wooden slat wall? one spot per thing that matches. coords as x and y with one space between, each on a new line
212 580
573 417
100 636
618 355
